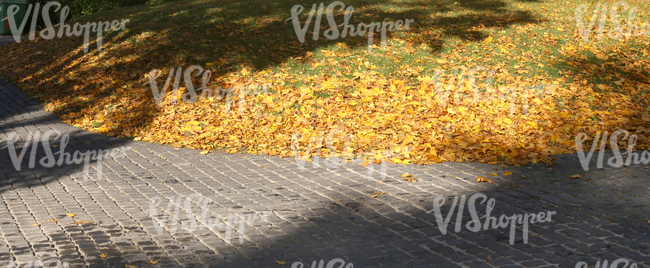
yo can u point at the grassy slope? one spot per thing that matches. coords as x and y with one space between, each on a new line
383 98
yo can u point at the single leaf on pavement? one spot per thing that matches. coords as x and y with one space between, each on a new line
483 179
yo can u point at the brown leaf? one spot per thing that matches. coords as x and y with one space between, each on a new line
576 176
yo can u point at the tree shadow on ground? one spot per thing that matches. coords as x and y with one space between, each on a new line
222 37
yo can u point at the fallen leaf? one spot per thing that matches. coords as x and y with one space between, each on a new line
488 40
488 258
576 176
70 215
82 222
103 255
281 262
153 262
533 234
52 220
409 177
36 224
374 196
205 152
516 185
129 266
529 167
483 179
365 163
507 173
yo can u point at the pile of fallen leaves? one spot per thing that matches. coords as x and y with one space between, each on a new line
105 93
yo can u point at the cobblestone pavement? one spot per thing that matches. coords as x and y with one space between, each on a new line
319 213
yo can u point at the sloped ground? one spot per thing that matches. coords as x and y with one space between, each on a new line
318 213
385 98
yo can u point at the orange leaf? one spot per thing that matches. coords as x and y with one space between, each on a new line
483 179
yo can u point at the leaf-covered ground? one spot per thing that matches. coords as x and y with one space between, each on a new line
384 98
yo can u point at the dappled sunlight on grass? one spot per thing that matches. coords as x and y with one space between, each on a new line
385 98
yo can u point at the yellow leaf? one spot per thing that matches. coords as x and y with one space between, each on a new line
374 196
409 177
281 262
483 179
82 222
365 163
36 224
52 220
205 152
153 262
603 87
488 40
507 173
70 215
576 176
103 255
129 266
